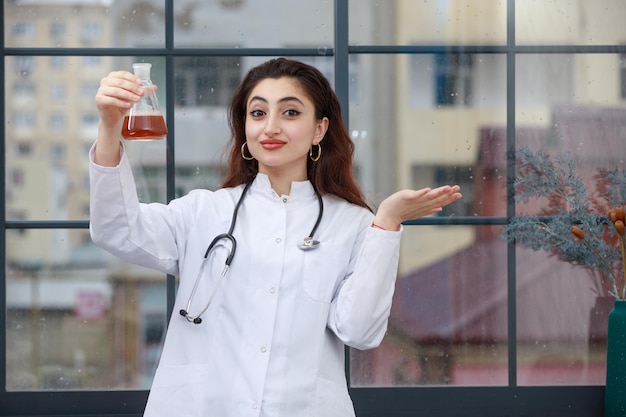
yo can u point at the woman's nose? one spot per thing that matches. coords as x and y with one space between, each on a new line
272 128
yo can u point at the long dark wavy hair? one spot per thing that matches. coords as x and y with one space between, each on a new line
332 173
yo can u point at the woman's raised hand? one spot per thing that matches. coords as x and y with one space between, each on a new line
412 204
117 93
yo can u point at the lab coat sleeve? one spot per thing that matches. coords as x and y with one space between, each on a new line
360 310
142 234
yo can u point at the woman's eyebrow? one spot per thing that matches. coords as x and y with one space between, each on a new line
282 100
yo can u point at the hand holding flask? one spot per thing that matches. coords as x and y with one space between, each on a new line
144 120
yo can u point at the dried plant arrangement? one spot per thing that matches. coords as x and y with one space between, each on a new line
582 226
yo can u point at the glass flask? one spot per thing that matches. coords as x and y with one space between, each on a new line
144 120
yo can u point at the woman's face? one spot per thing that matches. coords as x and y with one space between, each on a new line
281 127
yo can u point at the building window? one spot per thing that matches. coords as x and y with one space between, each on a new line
23 119
89 90
206 81
57 91
453 79
57 62
92 61
23 149
24 65
57 152
90 31
23 90
90 119
57 121
57 31
16 177
24 29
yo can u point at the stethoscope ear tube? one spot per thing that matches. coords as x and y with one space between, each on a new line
309 243
185 312
231 253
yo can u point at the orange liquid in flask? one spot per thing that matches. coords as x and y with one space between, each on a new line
144 127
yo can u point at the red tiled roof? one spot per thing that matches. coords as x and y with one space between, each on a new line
464 299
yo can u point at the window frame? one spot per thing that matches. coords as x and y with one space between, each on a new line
511 400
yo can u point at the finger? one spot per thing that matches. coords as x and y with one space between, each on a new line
446 190
435 200
121 80
445 193
105 102
123 75
108 96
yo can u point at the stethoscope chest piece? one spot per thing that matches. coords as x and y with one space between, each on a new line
309 243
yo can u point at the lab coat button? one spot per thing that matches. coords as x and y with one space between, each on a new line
278 240
285 200
272 290
255 406
263 349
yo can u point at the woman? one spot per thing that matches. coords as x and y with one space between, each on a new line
262 333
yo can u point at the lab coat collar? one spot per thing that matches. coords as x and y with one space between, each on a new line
299 189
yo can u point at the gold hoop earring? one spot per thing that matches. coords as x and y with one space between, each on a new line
243 153
319 153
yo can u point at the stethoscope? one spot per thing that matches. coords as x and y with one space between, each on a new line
308 243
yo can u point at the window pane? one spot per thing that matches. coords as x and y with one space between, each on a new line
204 87
147 158
77 318
448 323
409 22
567 106
568 22
80 25
147 162
562 323
52 110
253 24
406 138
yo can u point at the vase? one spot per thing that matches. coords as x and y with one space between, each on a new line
615 391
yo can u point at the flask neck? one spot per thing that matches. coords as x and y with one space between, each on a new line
142 70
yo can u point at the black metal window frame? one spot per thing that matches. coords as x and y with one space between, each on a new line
510 400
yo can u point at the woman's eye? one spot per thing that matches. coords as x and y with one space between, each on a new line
292 113
256 113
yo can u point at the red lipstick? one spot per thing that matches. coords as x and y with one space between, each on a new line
272 144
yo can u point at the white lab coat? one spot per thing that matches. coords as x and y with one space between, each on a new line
272 341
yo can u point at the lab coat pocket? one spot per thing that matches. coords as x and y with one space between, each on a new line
332 400
179 391
324 268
